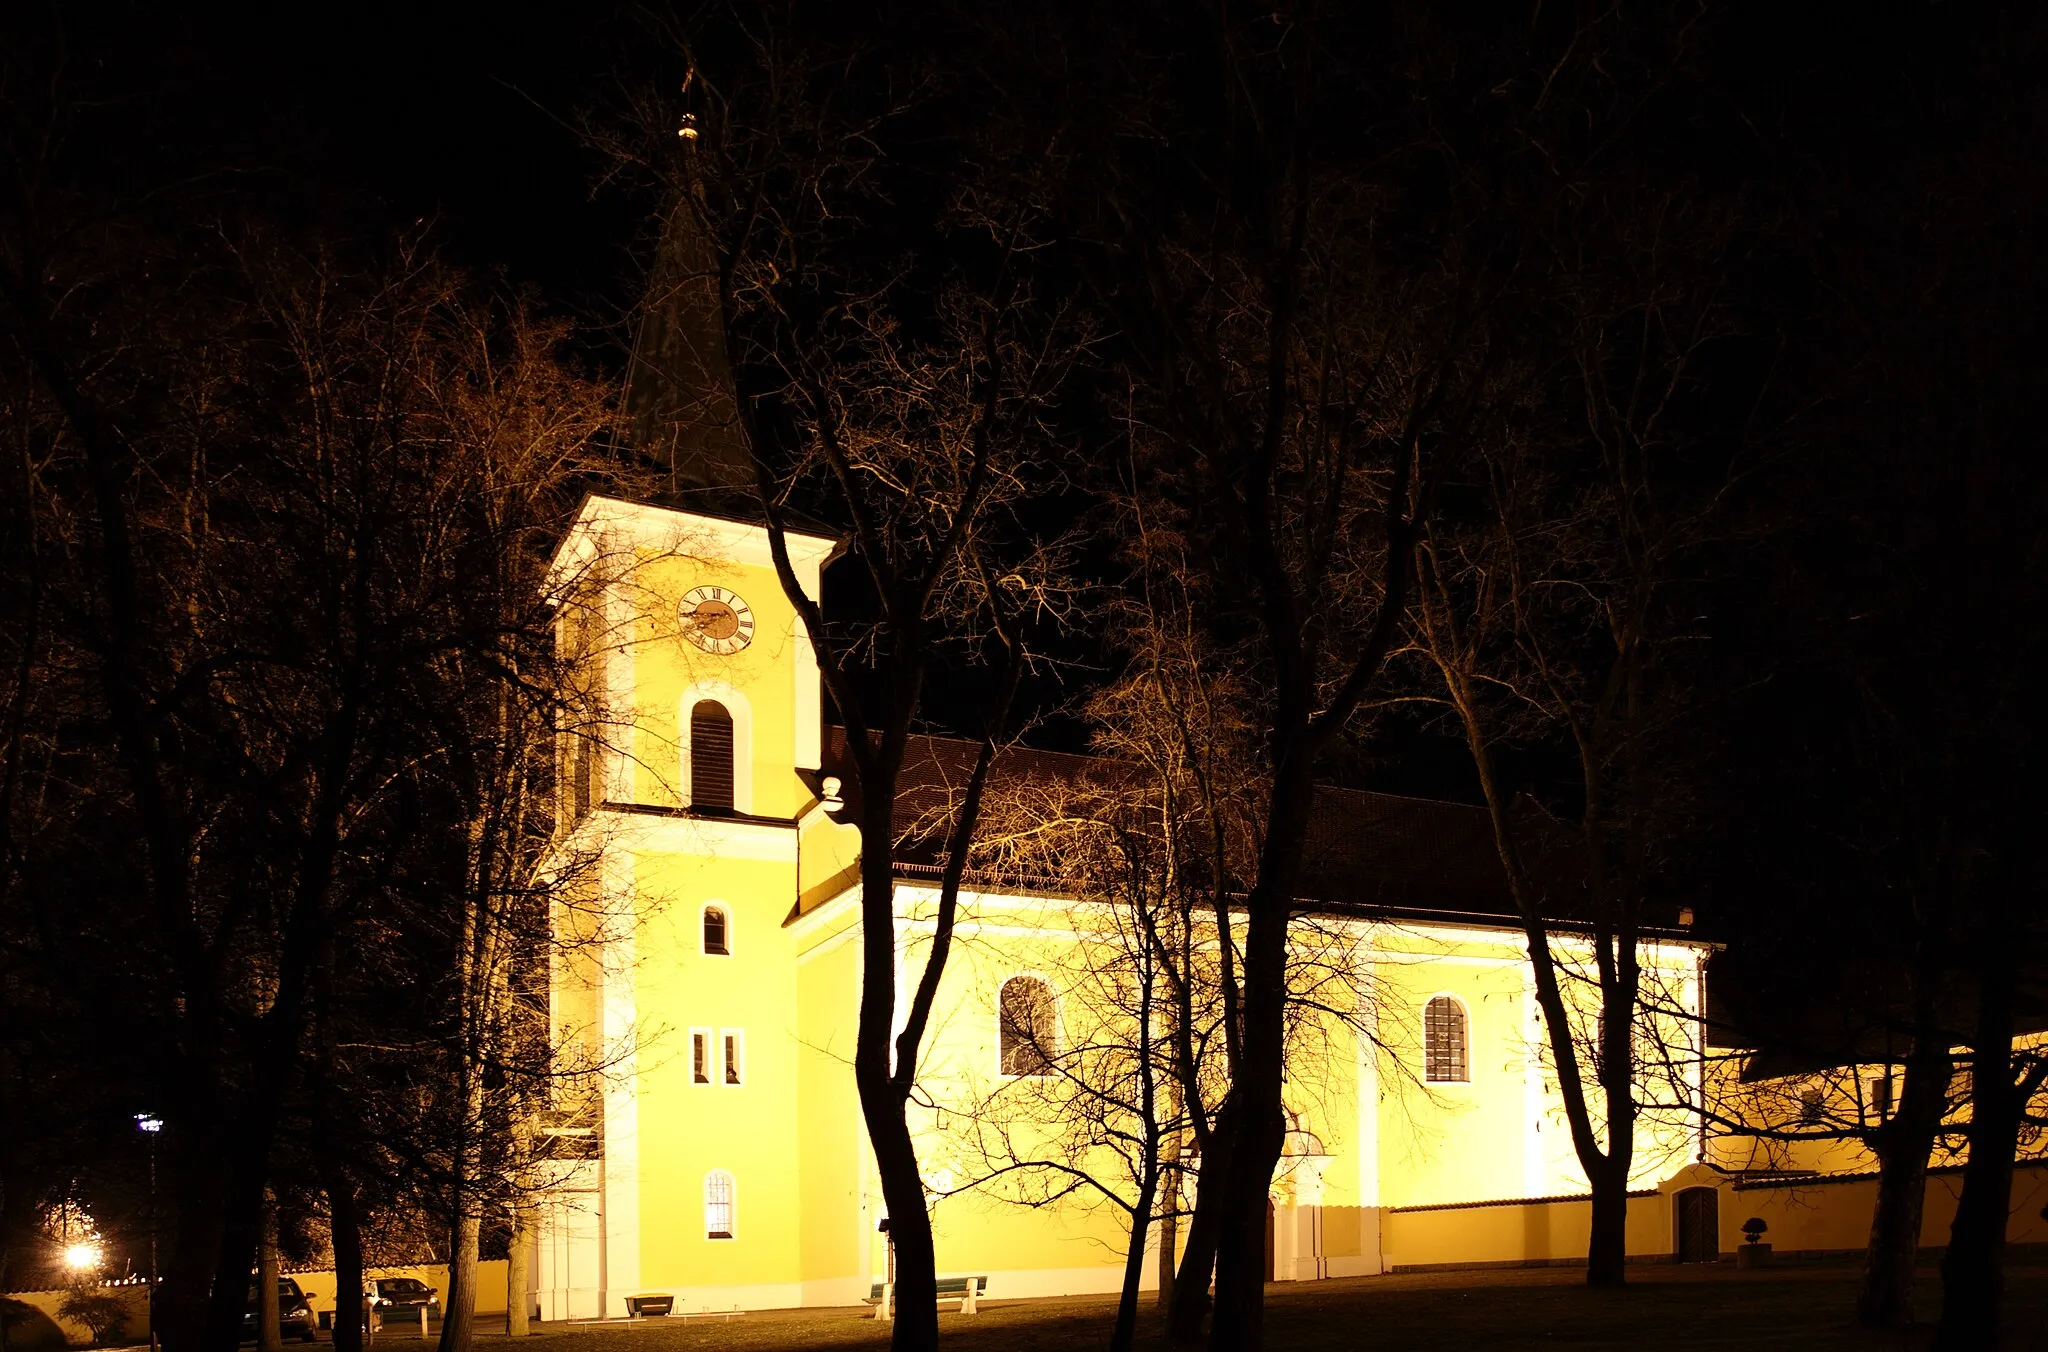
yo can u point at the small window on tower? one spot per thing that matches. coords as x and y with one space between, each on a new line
735 1055
700 1056
716 929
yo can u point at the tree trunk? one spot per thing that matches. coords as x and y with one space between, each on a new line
200 1208
345 1230
916 1312
269 1327
1198 1262
1885 1298
519 1272
1258 1078
1973 1269
1169 1222
1126 1326
1607 1246
1239 1320
241 1228
916 1326
458 1307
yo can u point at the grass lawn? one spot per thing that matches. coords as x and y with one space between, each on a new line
1461 1311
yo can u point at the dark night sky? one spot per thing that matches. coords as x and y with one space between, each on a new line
379 116
383 115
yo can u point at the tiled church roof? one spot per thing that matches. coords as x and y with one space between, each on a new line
1373 851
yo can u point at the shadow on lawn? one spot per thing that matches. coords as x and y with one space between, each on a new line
1667 1307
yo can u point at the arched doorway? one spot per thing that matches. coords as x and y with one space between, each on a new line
1697 1212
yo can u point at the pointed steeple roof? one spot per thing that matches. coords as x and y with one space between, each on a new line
681 405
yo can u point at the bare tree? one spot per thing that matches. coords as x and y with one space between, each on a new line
899 383
1553 613
1294 390
1092 1098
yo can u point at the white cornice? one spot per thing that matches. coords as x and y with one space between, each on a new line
611 525
676 833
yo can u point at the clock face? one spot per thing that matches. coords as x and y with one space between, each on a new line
716 620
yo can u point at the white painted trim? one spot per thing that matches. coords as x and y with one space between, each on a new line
722 837
840 1292
818 916
830 944
620 1219
1398 955
1368 1081
608 523
620 762
809 733
741 710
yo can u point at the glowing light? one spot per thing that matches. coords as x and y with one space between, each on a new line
82 1257
149 1122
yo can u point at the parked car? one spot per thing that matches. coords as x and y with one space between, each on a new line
294 1314
398 1300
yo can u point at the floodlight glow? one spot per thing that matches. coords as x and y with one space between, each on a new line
149 1122
82 1257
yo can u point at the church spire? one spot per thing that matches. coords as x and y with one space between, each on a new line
681 404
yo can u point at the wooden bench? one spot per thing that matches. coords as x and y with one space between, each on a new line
966 1290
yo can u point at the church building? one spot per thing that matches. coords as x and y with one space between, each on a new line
723 1161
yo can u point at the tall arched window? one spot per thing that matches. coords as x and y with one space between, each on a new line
710 756
717 931
1443 1040
719 1208
1027 1033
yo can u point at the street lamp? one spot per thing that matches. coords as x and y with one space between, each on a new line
82 1258
149 1124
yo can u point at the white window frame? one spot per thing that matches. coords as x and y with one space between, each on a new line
732 1206
704 1037
733 1041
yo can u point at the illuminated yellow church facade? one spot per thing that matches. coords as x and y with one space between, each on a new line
725 1162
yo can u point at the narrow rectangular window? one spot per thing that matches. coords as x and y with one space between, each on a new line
700 1055
735 1055
1881 1096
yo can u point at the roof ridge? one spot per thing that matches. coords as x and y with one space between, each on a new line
1096 757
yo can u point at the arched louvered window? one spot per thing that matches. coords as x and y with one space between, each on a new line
717 931
1027 1032
1443 1040
710 757
719 1207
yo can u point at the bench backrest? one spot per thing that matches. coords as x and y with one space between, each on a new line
946 1286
